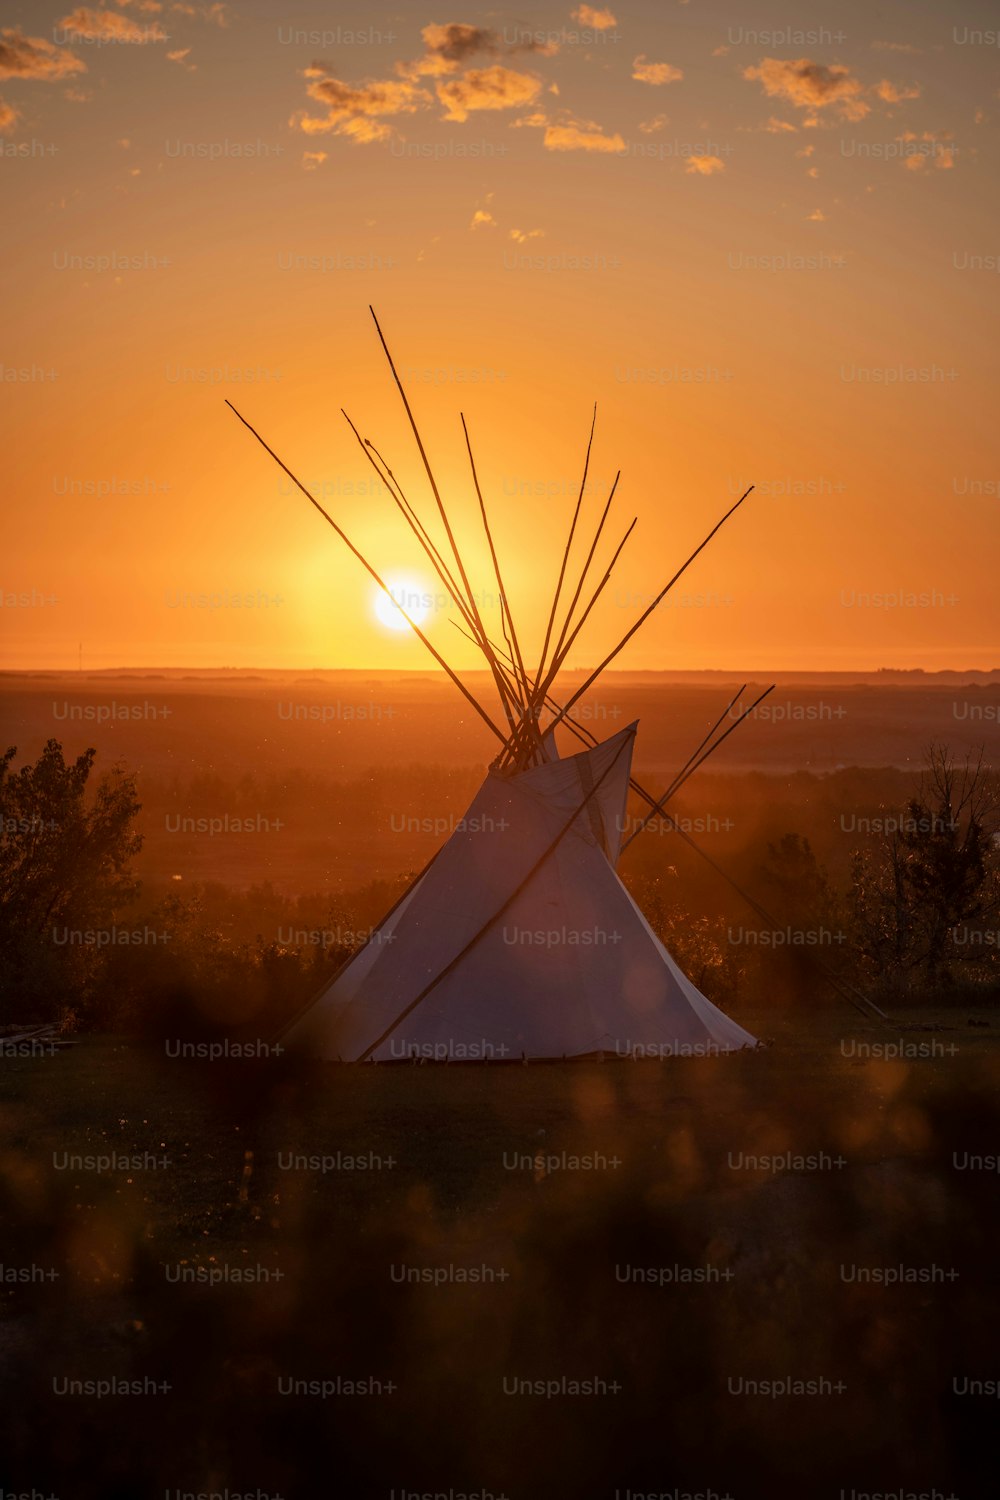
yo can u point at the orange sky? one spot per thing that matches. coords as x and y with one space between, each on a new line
766 258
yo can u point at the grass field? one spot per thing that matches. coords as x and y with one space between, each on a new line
448 1237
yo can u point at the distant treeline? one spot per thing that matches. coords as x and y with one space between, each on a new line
885 880
394 817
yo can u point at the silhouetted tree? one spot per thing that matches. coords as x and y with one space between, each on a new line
64 873
936 873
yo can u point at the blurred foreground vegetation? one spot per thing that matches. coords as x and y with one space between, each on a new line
775 1175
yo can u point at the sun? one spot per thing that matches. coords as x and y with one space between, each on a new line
406 595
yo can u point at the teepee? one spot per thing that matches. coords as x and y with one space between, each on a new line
519 940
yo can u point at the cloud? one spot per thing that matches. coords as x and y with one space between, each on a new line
569 134
487 88
217 13
448 47
33 57
704 166
363 111
650 127
9 117
456 42
892 94
647 72
374 97
775 126
934 153
363 131
721 51
353 109
597 20
484 219
312 159
532 44
817 216
580 135
433 65
812 171
151 7
181 56
807 150
811 86
109 26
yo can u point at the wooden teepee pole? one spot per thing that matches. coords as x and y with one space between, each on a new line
557 661
649 610
565 556
388 478
471 598
503 738
437 561
542 685
587 737
692 764
586 568
416 523
506 617
427 464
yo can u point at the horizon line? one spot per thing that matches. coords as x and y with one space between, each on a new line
76 670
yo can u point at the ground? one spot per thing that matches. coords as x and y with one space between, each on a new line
818 1212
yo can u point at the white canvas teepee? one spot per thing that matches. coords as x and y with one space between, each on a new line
521 941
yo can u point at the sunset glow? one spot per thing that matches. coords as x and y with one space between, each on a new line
766 259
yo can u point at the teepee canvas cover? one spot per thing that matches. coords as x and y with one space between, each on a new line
520 940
